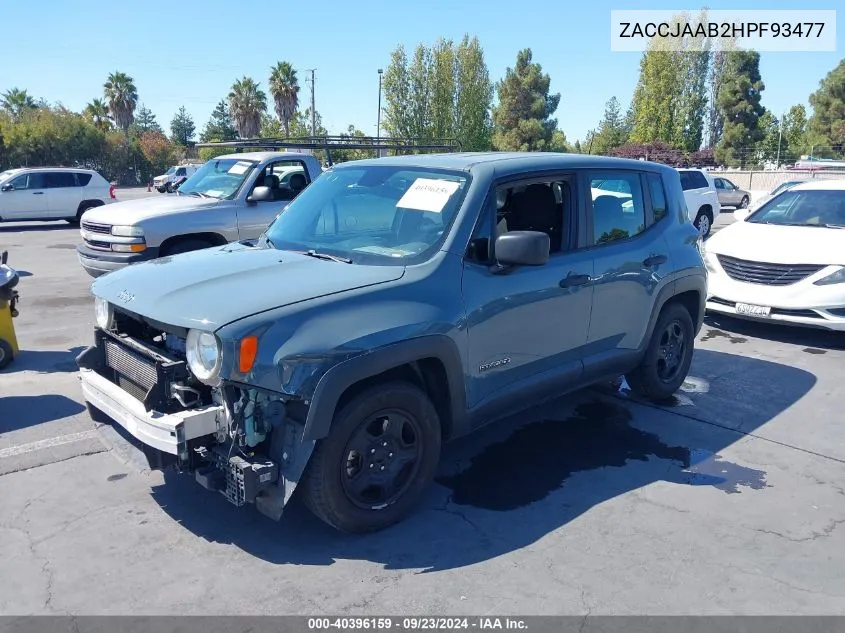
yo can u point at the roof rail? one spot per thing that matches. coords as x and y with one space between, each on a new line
342 141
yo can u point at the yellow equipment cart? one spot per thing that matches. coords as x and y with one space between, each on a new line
8 311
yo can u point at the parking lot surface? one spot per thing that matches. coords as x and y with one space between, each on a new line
730 499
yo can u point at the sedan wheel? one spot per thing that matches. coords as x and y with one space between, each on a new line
744 203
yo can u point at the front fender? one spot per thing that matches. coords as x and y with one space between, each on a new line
334 382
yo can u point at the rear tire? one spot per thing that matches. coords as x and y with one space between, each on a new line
378 460
186 246
743 204
704 222
668 357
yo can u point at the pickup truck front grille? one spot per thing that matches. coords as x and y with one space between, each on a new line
104 229
764 273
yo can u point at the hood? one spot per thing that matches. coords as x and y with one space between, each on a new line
134 211
775 244
215 286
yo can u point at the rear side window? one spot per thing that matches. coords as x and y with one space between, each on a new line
658 196
693 180
618 209
59 179
83 179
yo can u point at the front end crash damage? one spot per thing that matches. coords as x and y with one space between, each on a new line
257 455
242 441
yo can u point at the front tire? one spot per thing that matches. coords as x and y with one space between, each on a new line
704 222
377 461
668 357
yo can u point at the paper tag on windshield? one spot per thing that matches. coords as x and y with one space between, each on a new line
427 194
239 168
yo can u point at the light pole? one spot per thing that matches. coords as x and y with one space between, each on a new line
378 120
780 136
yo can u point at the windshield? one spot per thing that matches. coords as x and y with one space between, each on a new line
218 178
371 214
803 208
170 171
8 174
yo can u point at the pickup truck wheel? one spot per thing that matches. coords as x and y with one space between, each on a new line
379 458
668 356
703 222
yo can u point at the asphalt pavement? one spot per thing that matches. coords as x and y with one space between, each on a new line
728 500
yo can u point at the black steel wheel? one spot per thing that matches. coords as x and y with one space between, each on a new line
668 356
6 353
377 461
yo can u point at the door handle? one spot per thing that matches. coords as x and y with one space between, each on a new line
37 193
654 260
575 280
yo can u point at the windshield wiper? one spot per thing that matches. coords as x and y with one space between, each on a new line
326 256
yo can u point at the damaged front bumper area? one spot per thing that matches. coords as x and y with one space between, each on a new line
242 442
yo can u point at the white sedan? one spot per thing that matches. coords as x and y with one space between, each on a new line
785 261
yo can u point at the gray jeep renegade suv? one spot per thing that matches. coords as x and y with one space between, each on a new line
396 304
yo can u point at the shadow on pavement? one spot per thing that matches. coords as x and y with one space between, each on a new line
37 226
44 362
808 337
512 483
20 412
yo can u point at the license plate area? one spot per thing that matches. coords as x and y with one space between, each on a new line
749 309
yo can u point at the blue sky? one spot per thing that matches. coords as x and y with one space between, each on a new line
189 52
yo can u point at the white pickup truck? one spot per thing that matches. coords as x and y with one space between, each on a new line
701 197
230 198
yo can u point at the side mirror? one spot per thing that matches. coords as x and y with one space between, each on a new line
523 248
741 214
7 187
260 194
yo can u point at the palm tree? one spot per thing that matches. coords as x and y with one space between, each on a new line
17 101
122 96
246 104
98 112
284 86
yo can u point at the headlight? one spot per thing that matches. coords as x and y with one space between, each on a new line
127 231
104 313
834 278
203 353
710 261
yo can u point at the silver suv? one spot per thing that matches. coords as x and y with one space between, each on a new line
230 198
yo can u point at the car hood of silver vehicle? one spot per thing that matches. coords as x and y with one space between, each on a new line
209 288
134 211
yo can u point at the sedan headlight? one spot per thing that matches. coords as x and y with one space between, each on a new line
834 278
127 231
104 313
203 354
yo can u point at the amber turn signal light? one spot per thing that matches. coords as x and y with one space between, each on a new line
249 350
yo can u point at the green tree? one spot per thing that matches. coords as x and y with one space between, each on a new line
795 132
559 142
770 127
827 124
474 98
398 120
693 65
655 96
284 88
145 121
219 127
522 120
97 111
247 102
739 102
577 147
715 79
122 97
182 128
444 89
158 150
16 102
611 132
